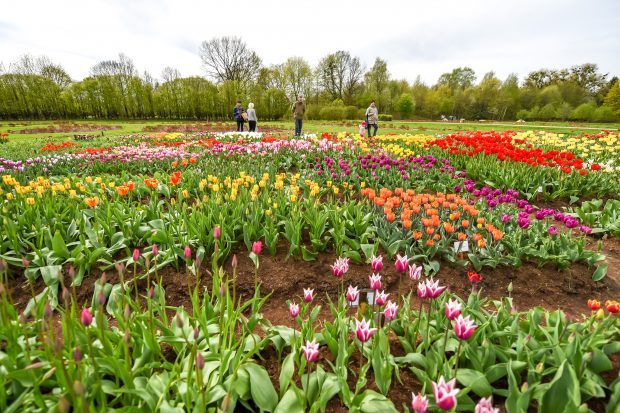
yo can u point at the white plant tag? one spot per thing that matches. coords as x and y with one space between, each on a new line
539 189
461 246
370 297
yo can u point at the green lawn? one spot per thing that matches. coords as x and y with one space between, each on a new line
399 127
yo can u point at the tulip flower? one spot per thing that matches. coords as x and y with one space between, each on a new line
257 247
311 350
390 310
155 250
474 277
422 289
376 263
419 403
433 290
381 298
594 304
187 252
308 295
216 232
402 263
136 255
486 406
464 327
87 317
340 267
612 306
445 393
453 309
77 355
200 361
415 272
363 330
293 309
375 281
553 230
352 294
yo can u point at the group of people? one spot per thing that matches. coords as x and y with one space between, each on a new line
299 110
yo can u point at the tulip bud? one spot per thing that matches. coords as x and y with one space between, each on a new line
127 337
583 408
196 333
22 318
524 387
200 361
510 287
120 267
78 388
222 289
151 293
63 404
216 232
136 255
178 320
587 357
71 272
234 261
147 262
48 312
127 312
25 262
540 367
187 253
77 355
155 250
101 298
226 402
600 314
87 317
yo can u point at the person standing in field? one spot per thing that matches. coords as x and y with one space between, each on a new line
299 108
238 113
372 118
252 117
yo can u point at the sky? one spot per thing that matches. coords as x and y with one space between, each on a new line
416 38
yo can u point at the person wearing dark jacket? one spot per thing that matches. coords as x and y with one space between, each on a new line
238 112
299 109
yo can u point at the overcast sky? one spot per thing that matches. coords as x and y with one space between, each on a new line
416 38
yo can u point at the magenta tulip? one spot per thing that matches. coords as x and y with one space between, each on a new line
375 281
376 263
415 272
453 309
216 232
464 327
187 252
311 350
381 297
136 255
87 317
155 250
433 290
402 263
363 330
486 406
419 403
390 310
257 247
352 294
308 295
445 394
293 309
422 289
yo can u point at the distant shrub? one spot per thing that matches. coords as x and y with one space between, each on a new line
523 114
350 112
547 112
584 112
333 113
361 114
313 112
385 118
564 111
604 114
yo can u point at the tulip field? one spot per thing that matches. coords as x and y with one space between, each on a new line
474 271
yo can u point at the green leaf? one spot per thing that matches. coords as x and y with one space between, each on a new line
475 380
601 271
286 373
373 402
59 246
563 391
263 393
290 403
308 255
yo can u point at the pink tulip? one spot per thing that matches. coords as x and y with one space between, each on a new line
390 310
187 252
200 361
363 330
422 289
381 297
340 267
453 309
308 295
257 247
445 394
293 309
352 294
216 232
464 327
419 404
25 262
486 406
433 290
415 272
136 255
376 263
402 263
87 317
311 350
375 281
155 250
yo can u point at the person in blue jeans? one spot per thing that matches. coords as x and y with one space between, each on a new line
299 109
238 115
372 118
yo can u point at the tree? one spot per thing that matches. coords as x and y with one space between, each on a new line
459 78
405 105
297 77
229 58
612 100
340 75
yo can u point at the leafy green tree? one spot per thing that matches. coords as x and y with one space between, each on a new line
612 100
405 105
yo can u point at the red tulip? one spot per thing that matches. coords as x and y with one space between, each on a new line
257 247
594 304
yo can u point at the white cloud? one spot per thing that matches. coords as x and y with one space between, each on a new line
415 38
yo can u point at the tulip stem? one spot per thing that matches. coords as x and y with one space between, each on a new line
445 338
417 325
458 354
428 321
307 384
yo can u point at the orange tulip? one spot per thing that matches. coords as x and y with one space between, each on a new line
92 202
151 183
430 243
465 223
461 236
594 304
417 235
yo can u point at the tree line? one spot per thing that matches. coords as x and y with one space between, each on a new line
338 87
